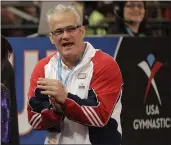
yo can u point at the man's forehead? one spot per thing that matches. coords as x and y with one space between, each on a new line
137 2
63 15
62 20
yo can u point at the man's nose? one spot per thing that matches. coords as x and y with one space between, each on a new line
65 34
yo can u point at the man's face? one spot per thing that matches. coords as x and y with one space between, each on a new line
69 43
134 11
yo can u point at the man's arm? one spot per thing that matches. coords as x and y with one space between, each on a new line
45 118
105 89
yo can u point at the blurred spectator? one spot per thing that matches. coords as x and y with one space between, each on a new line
154 10
167 14
10 19
31 10
9 130
131 19
158 17
98 18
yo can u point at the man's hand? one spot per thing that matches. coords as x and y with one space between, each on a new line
53 88
56 106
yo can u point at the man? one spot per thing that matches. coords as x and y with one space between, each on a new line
75 93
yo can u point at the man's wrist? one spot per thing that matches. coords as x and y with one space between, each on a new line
58 111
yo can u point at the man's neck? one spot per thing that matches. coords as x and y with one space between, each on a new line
70 62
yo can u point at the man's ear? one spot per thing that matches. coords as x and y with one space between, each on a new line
51 38
83 31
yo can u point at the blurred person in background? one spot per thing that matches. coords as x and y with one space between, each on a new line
96 19
8 23
100 14
32 11
9 119
131 19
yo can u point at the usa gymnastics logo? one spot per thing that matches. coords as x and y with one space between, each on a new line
150 68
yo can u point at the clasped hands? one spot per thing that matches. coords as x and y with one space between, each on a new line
54 89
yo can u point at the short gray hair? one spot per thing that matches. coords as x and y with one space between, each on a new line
64 8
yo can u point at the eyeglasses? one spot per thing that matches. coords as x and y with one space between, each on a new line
60 31
140 6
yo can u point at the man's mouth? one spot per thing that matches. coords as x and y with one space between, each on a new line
67 44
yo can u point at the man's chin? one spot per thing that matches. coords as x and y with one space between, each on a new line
67 54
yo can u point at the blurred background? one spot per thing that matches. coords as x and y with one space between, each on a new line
27 18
